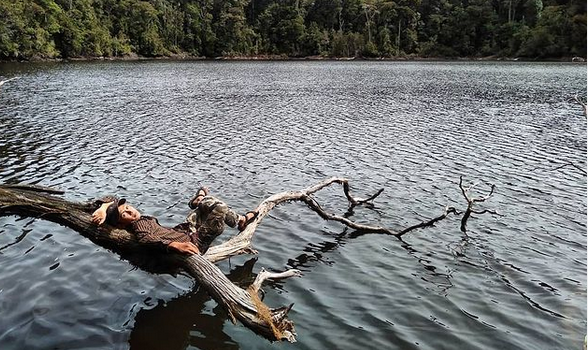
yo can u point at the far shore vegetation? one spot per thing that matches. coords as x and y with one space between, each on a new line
290 29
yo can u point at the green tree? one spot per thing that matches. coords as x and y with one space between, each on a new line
234 35
282 29
451 28
143 28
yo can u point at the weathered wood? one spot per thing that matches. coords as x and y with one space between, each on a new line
582 103
24 201
471 201
2 82
241 304
241 244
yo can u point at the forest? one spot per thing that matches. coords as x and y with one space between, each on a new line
66 29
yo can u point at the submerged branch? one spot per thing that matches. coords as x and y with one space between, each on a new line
471 201
34 188
582 103
572 165
2 82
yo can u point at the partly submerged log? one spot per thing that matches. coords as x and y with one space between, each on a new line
33 201
241 304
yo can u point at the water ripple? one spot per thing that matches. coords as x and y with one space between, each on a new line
151 131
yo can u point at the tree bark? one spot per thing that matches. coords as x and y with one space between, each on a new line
34 201
241 304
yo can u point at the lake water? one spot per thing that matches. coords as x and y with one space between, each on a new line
151 131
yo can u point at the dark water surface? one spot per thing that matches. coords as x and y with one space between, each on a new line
151 131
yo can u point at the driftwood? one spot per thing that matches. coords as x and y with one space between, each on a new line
2 82
582 103
241 304
471 201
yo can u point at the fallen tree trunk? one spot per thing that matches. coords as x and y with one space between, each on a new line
34 202
241 304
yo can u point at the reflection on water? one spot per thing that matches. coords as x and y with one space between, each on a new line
151 131
190 319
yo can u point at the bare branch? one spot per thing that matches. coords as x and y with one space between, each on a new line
357 201
242 305
471 202
313 204
448 210
463 190
241 243
572 165
265 275
484 198
487 211
582 103
2 82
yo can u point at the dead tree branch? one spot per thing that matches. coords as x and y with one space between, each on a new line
572 165
34 188
2 82
241 243
265 275
471 201
241 304
582 103
448 210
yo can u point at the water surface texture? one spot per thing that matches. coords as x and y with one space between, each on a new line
151 131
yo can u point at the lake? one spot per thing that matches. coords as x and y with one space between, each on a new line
152 131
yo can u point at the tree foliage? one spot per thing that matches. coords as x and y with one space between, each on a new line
342 28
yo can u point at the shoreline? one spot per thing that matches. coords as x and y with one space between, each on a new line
187 57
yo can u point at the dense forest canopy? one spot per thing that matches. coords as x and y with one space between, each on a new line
295 28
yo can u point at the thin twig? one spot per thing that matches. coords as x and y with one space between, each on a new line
2 82
484 198
448 210
570 164
487 211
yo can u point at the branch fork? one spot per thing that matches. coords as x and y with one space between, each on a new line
471 201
